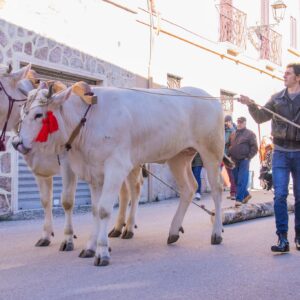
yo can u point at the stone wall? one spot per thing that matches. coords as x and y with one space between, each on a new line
20 45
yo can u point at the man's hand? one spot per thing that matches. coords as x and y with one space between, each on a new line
245 100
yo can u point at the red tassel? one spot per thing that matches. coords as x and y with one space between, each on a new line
53 125
50 125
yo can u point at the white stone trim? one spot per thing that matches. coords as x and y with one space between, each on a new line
59 67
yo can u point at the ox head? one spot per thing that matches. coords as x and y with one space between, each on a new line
14 85
38 115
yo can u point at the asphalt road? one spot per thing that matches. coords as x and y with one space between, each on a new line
242 267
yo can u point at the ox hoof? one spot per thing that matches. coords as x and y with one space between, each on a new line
42 243
114 233
126 235
66 246
216 240
173 238
87 253
181 229
101 261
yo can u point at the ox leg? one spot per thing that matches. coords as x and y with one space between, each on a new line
69 181
90 248
123 204
45 187
212 166
114 176
135 182
180 166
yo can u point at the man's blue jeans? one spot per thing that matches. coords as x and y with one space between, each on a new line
197 174
284 164
241 177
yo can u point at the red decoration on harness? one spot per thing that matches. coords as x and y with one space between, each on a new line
50 125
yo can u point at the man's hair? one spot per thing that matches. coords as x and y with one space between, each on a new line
296 68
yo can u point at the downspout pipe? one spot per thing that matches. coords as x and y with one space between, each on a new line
150 84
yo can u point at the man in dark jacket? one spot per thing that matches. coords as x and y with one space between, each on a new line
230 127
242 148
286 156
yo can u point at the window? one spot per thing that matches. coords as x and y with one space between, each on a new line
232 24
226 23
293 33
227 101
173 81
264 36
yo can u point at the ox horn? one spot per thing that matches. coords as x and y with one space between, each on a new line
50 92
9 69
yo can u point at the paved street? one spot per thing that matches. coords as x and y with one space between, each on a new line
146 267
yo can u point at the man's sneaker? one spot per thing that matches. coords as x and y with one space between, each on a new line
246 199
231 197
238 203
197 196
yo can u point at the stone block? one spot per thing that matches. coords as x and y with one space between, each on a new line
5 183
5 162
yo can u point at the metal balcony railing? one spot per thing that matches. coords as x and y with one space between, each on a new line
268 42
233 25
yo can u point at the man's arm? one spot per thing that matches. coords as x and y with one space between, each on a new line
258 114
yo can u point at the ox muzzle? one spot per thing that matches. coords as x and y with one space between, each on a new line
18 145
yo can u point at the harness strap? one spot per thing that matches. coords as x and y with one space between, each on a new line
11 102
76 131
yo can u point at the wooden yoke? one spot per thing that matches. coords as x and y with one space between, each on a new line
33 77
57 86
84 91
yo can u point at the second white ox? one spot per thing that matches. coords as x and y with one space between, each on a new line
126 129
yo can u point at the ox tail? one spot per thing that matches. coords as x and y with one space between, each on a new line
228 162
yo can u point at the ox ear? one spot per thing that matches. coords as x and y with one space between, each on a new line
22 73
59 98
25 86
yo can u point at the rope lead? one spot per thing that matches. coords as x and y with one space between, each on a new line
173 189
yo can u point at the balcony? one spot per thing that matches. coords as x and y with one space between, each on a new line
268 42
233 25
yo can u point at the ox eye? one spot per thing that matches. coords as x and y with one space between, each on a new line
37 116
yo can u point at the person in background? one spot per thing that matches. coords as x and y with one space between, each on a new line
242 148
230 127
197 165
286 155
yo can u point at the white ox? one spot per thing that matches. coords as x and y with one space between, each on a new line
124 130
45 167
